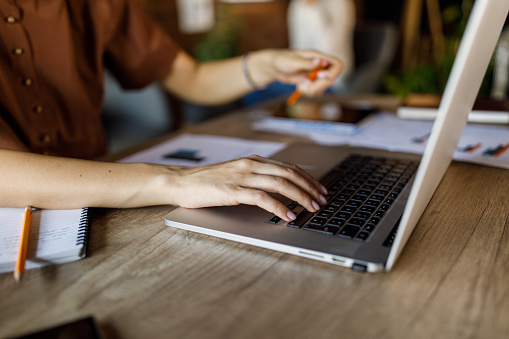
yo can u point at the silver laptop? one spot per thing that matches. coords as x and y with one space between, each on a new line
376 197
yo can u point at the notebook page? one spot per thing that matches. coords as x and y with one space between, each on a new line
53 237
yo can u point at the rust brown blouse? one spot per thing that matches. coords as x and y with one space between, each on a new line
52 57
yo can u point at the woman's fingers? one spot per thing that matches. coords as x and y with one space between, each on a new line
266 175
333 65
249 181
277 184
301 64
305 61
256 197
289 170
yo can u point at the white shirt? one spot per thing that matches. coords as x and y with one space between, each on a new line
326 26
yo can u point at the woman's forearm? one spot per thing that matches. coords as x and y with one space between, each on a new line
62 183
54 182
214 82
222 81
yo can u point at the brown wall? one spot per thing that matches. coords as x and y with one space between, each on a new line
263 24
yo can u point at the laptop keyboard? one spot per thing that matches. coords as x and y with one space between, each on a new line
361 191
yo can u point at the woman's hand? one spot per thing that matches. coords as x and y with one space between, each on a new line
249 181
293 67
62 183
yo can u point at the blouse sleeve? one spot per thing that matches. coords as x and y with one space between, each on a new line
139 51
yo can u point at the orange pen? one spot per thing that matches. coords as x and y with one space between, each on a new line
292 99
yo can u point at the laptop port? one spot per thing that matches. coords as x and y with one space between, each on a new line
310 255
359 267
338 261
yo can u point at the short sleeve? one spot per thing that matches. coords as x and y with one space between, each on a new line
139 51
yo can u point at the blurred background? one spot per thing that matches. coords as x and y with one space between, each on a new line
402 48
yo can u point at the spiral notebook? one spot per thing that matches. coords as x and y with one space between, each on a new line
56 236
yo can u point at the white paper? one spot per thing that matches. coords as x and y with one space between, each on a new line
478 143
203 150
264 121
478 116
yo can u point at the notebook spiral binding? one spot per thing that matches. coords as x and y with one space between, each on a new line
84 229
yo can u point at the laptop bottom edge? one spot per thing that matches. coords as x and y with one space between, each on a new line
355 265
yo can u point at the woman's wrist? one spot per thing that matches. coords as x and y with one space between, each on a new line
165 185
142 184
259 68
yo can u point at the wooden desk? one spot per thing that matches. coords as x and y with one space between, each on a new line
143 279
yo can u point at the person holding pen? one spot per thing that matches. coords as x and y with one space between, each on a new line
54 55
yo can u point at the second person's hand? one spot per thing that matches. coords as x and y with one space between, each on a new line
293 67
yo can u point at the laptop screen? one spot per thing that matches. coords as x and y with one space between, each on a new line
476 49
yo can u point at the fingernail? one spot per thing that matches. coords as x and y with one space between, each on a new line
322 199
305 84
291 215
315 205
316 61
321 75
323 190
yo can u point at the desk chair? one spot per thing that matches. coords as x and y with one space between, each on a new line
134 116
374 47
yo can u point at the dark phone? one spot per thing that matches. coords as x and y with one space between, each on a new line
325 111
85 328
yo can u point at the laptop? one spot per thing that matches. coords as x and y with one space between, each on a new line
376 197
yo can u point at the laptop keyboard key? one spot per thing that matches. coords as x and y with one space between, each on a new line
348 209
327 229
369 228
367 209
359 197
331 208
373 202
337 202
325 214
318 221
337 222
354 203
362 215
302 217
357 222
364 192
362 236
374 221
275 220
343 215
293 205
349 231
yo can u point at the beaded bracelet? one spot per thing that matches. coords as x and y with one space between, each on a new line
245 72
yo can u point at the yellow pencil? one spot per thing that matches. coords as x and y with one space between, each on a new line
23 245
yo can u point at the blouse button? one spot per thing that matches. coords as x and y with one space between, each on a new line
27 82
10 20
38 109
18 51
45 138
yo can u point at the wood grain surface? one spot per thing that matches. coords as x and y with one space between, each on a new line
142 279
